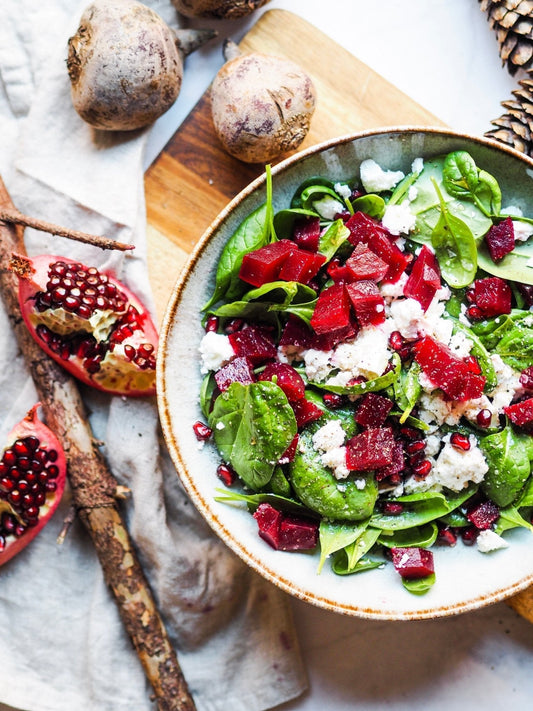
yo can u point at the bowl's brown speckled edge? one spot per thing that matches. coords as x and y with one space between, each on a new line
179 410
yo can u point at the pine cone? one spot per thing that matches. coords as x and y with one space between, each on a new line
513 22
515 127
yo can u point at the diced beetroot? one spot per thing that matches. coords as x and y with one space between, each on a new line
365 264
413 562
238 370
520 413
395 468
288 454
327 341
363 229
446 371
526 378
296 333
262 265
370 449
285 532
306 233
500 239
286 377
332 310
301 266
483 515
373 410
493 296
367 302
297 534
305 412
253 343
424 279
340 273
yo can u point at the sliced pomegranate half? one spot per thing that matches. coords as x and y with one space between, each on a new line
32 479
89 322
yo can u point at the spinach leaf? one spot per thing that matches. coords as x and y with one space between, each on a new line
370 386
251 234
252 427
515 266
507 456
282 503
454 247
481 353
510 518
334 535
372 205
407 389
462 179
418 536
206 393
335 235
419 509
419 586
284 220
491 331
316 182
340 564
356 550
516 347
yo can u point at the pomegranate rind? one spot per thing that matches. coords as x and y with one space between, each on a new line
117 374
32 425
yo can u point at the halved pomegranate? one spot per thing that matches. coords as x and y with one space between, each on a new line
32 479
89 322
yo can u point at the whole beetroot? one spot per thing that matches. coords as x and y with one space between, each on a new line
226 9
261 105
125 64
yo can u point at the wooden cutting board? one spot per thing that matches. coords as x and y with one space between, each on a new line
192 179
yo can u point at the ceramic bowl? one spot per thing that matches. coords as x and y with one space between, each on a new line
466 578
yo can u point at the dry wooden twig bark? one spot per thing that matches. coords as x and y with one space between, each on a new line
94 494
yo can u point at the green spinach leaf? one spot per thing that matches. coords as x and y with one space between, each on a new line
507 456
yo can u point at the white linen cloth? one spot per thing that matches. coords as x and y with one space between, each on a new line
62 644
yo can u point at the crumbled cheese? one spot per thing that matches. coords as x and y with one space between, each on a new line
343 190
391 291
335 459
512 210
220 425
317 365
215 351
455 468
411 321
398 219
434 408
508 384
488 541
433 444
375 179
328 207
367 355
460 345
417 166
330 436
412 193
522 230
360 484
412 485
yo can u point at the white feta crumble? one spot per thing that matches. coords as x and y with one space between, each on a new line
508 384
488 541
417 166
317 365
335 459
394 290
512 210
434 408
412 485
412 193
411 321
398 219
455 468
375 179
328 207
343 190
460 345
220 425
360 484
215 351
367 355
330 436
522 230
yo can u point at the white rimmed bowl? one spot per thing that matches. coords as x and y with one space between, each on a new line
466 578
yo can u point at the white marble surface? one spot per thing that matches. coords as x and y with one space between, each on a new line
444 55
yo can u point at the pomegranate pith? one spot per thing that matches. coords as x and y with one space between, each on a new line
88 322
32 481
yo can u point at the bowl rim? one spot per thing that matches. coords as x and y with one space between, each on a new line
177 458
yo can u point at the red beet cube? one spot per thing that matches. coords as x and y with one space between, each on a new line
268 522
286 377
252 343
520 413
370 449
500 239
446 371
413 562
492 296
285 532
424 279
327 341
483 515
365 264
340 273
367 302
263 265
301 266
363 229
332 310
296 333
306 233
373 410
526 378
238 370
305 412
396 466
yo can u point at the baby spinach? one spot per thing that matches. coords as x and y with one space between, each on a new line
277 501
335 235
252 427
515 266
284 220
515 347
463 180
510 517
481 353
419 586
358 548
207 389
422 536
369 386
334 536
407 389
372 205
508 460
419 509
312 186
341 565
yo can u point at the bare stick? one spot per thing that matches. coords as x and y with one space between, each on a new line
13 216
94 494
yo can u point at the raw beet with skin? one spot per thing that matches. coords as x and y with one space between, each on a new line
89 323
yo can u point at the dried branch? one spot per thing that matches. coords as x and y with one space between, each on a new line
11 215
94 489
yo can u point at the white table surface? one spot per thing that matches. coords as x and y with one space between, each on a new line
444 55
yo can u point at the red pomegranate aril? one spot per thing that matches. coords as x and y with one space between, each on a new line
226 474
422 469
447 536
202 431
396 341
474 313
460 441
52 455
484 418
51 486
393 508
9 458
211 324
52 471
417 445
333 401
526 378
7 484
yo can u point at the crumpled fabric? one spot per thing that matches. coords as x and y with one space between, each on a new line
62 644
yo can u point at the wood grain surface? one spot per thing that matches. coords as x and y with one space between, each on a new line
193 179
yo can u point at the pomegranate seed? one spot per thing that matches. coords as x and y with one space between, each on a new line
51 486
6 484
211 324
447 536
470 296
333 401
469 535
474 313
484 418
396 341
9 457
422 469
410 432
392 507
460 441
226 473
417 445
526 378
234 325
202 431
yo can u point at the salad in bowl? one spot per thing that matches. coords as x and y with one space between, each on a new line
364 357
